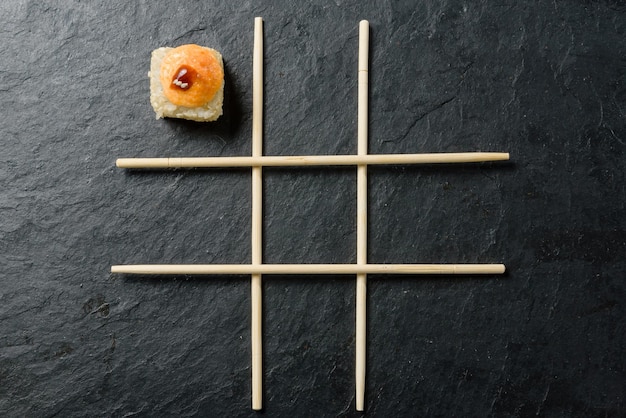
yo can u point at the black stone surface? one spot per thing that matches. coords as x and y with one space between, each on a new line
544 81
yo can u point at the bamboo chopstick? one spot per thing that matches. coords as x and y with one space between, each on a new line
257 217
312 160
361 214
307 269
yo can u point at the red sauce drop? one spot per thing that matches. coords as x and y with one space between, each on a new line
184 78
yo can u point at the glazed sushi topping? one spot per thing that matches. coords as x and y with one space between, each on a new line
191 75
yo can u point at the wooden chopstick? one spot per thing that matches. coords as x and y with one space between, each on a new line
312 160
361 214
257 217
307 269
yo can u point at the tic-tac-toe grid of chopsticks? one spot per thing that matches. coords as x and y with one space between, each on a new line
362 268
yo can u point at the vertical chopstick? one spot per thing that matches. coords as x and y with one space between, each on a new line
257 217
361 224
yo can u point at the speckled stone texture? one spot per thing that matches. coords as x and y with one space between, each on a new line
544 81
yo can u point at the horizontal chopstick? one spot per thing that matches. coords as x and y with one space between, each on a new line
312 160
297 269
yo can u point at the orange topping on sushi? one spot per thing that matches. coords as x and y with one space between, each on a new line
191 75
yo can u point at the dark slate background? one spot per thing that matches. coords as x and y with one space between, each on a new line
545 81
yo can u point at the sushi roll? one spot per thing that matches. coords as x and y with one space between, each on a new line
187 82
